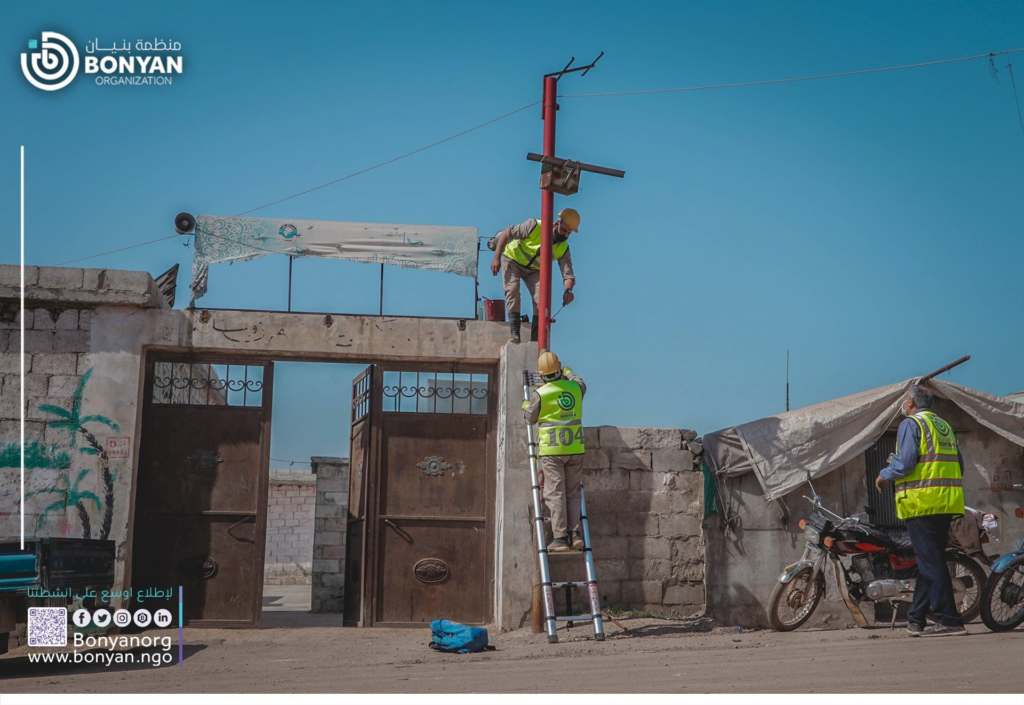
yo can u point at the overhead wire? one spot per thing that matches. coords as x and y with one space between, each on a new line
791 80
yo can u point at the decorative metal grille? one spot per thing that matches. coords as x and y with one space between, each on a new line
361 398
205 384
884 504
435 393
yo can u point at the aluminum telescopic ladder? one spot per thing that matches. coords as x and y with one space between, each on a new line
547 587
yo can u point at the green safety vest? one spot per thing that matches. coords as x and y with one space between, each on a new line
527 251
561 418
935 485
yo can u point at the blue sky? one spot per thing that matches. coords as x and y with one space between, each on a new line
869 224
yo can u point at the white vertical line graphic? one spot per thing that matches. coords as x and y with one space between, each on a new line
22 348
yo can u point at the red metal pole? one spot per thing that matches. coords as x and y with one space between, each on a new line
547 218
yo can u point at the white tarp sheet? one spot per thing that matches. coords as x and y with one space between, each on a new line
232 239
781 449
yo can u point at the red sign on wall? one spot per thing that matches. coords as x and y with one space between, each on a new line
1002 480
119 448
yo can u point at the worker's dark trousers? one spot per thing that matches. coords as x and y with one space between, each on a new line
934 589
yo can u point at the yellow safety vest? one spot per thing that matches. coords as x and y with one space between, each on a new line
561 418
935 485
527 251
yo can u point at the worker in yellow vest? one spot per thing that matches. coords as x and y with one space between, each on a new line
517 256
557 409
927 469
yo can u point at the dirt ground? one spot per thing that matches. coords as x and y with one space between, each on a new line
299 652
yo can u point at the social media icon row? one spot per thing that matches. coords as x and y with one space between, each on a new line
122 618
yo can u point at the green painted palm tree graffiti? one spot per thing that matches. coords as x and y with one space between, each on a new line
72 422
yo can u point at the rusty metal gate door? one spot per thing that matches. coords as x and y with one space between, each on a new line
433 526
201 491
360 459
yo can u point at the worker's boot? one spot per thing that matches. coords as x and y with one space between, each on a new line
576 539
513 327
534 328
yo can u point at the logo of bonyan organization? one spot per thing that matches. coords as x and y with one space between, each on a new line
55 66
566 401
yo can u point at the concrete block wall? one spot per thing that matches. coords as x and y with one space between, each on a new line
330 530
290 515
644 495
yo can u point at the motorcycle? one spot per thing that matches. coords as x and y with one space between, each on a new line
881 568
1002 597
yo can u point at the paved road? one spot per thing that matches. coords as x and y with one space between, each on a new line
309 653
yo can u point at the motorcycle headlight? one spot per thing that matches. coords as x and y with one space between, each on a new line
812 535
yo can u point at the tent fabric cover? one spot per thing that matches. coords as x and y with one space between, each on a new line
781 449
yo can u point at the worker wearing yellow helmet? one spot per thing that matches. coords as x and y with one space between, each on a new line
517 256
557 409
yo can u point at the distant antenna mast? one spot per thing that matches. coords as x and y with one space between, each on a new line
787 380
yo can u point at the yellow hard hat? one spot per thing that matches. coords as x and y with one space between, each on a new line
548 363
571 218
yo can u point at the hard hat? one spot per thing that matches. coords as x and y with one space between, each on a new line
571 218
548 363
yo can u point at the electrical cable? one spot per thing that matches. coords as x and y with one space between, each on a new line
329 183
792 80
389 161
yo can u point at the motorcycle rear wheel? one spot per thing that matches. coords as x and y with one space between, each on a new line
793 603
971 578
1002 599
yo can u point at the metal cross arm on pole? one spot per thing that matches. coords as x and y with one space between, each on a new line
569 164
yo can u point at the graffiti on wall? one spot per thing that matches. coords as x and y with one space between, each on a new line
80 455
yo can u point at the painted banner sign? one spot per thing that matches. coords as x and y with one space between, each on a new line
233 239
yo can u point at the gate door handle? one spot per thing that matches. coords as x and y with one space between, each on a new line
240 521
401 532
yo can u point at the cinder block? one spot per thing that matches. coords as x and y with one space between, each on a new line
54 364
672 461
85 319
631 459
39 341
10 341
71 341
656 502
635 524
688 434
327 511
33 412
649 481
596 459
329 538
639 438
609 546
324 484
41 320
10 275
650 547
67 320
630 592
689 572
611 569
604 502
650 569
61 277
84 363
325 566
651 592
610 592
62 385
606 481
10 363
336 498
335 552
680 525
124 280
685 594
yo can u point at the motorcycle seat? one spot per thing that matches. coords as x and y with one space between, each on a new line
893 540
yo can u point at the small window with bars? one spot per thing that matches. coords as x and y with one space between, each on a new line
207 384
435 392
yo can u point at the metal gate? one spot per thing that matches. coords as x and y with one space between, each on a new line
428 499
201 490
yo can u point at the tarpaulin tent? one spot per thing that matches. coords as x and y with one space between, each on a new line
781 449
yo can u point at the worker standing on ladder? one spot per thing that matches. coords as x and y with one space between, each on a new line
557 408
517 256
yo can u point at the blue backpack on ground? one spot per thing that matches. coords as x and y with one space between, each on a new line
457 638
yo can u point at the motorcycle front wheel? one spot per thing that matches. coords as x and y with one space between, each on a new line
793 603
1002 599
968 578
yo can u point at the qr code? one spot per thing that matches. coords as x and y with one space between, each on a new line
48 626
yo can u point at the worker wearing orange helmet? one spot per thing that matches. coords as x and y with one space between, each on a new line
557 409
517 256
